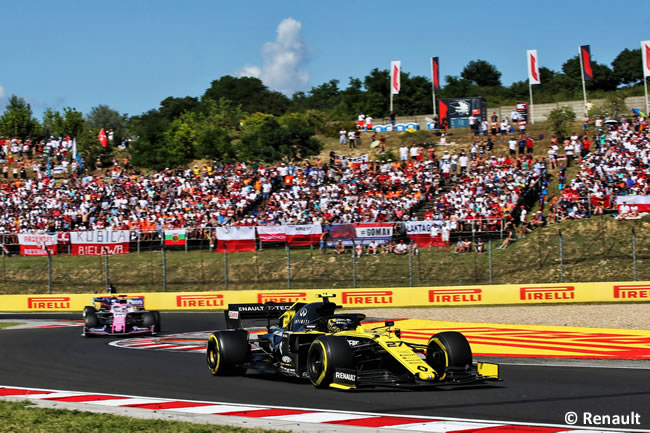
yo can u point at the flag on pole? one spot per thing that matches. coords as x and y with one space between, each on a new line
435 73
175 237
645 53
585 58
102 138
533 67
395 67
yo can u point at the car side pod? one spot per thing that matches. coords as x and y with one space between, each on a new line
487 370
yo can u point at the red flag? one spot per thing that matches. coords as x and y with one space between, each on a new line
585 58
102 138
435 72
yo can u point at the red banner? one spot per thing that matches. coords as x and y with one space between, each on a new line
102 138
585 58
271 233
34 245
435 73
99 242
231 239
303 235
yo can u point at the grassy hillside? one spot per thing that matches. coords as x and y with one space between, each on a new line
598 249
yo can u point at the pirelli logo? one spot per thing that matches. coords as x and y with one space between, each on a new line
547 293
365 297
264 297
632 291
48 303
444 296
199 301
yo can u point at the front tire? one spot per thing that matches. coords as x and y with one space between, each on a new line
448 350
327 354
90 319
227 351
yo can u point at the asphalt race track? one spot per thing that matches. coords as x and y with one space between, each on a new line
59 358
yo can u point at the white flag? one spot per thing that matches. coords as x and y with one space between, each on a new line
395 67
74 148
533 67
645 54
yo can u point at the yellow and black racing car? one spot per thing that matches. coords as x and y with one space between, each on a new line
334 350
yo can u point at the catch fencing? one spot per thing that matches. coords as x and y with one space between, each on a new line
549 256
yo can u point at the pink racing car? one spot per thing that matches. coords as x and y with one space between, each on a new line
119 315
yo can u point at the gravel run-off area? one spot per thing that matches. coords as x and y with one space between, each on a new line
617 316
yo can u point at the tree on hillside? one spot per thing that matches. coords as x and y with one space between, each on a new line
604 78
250 93
103 116
73 122
482 73
171 108
52 125
560 119
17 120
627 67
146 150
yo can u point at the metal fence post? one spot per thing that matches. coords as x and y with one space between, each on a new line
49 271
559 232
490 260
634 275
164 269
139 233
354 268
411 265
106 265
225 265
286 247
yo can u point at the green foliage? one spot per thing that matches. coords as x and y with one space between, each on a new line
626 66
17 120
52 123
250 93
102 116
482 73
560 119
331 129
604 78
613 106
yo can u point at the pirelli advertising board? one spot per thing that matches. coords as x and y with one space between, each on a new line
508 294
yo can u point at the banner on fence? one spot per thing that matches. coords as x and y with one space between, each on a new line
362 233
35 245
175 237
231 239
303 235
96 243
271 233
355 159
421 233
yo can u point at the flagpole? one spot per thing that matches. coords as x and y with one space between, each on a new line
433 93
532 112
582 76
645 90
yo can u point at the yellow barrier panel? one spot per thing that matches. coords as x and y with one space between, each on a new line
507 294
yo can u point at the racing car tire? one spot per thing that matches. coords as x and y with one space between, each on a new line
327 354
448 349
88 309
227 351
90 319
157 326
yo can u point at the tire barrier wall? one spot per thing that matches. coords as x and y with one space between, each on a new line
507 294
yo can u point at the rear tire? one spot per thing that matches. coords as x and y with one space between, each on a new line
448 349
227 351
157 326
327 354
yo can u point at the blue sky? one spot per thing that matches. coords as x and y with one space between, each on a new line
131 54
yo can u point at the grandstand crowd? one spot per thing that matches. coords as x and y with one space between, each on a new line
473 190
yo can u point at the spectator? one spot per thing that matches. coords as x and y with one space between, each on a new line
373 247
401 248
339 248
